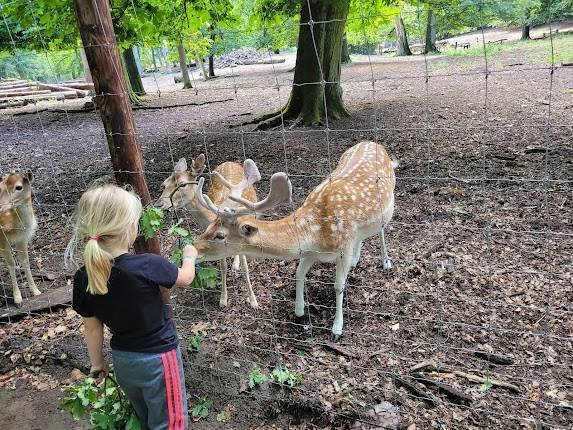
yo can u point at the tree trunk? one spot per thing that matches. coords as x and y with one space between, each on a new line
133 72
211 66
430 33
96 31
183 65
133 96
402 47
316 80
154 60
345 56
201 64
212 59
526 26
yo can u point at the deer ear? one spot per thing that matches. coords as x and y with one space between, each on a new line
248 230
180 166
29 176
199 164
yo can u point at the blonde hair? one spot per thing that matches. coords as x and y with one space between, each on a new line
104 214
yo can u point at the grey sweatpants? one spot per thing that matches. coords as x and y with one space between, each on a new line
155 386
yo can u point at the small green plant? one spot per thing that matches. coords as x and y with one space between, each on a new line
201 408
151 222
256 377
104 403
222 417
236 365
486 386
195 342
285 377
205 277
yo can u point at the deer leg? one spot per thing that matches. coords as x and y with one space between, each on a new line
252 299
386 262
223 300
9 258
342 268
236 263
302 269
356 254
24 260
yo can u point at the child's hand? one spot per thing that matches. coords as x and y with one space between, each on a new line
99 373
189 251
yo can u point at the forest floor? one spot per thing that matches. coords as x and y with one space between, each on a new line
481 240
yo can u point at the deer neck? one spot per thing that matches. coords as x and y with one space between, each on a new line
285 238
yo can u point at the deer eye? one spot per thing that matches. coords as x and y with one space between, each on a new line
219 236
18 187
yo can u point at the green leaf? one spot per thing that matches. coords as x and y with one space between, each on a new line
195 343
222 417
151 222
256 377
201 408
133 423
236 364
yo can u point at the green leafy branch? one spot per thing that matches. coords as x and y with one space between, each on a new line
151 222
105 403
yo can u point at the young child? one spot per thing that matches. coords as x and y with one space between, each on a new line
121 290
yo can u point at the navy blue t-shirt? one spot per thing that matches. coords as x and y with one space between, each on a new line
132 309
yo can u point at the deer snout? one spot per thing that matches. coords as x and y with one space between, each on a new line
163 203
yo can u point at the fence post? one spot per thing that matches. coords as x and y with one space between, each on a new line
112 100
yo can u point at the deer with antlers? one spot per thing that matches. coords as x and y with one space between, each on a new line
17 227
228 180
353 204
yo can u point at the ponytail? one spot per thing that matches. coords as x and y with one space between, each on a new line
98 264
105 214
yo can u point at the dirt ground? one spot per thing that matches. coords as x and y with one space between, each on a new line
481 241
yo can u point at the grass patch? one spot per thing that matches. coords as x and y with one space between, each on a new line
534 51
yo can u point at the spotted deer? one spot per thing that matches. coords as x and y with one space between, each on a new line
17 227
228 179
354 203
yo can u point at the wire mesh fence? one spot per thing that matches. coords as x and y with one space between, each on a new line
472 326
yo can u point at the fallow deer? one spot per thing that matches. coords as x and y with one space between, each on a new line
354 203
228 179
17 227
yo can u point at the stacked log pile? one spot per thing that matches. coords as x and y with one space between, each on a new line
16 92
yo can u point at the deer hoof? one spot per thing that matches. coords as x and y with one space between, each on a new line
387 264
36 292
223 302
335 337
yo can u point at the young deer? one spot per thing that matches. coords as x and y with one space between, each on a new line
229 179
17 228
353 204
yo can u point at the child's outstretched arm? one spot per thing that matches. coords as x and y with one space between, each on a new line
93 333
187 271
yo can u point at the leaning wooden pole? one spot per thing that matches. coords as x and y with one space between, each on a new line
112 100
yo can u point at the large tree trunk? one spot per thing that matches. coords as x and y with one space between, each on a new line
345 55
133 96
402 47
526 26
133 72
183 65
430 32
316 80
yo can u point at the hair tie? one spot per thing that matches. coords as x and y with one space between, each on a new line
96 238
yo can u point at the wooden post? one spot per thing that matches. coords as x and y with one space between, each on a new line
112 99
